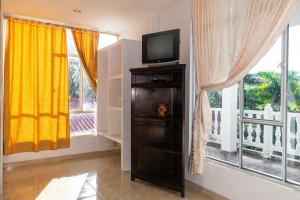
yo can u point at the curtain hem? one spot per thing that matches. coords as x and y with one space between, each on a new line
31 147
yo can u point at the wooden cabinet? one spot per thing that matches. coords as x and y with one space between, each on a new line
157 152
114 93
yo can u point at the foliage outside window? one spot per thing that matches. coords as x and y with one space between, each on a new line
262 88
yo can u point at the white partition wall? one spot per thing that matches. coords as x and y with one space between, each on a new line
114 94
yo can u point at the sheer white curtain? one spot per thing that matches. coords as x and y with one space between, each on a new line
230 36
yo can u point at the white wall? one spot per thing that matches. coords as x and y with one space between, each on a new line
79 144
239 184
135 32
175 17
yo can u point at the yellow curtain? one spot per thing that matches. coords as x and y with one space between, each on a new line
86 43
36 99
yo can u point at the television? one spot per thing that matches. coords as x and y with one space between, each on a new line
161 47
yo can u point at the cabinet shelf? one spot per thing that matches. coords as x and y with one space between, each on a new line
164 179
115 137
150 119
114 94
115 77
115 60
115 108
102 133
167 148
157 85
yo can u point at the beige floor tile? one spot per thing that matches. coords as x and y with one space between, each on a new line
88 178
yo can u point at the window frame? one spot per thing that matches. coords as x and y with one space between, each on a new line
282 123
82 78
81 92
81 74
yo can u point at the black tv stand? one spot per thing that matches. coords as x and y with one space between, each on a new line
157 144
163 64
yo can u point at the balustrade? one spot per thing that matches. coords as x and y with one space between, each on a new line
266 139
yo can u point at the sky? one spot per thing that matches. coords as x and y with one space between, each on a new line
104 40
272 59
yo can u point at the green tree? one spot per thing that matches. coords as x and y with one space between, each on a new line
294 91
260 89
88 91
264 87
215 99
74 77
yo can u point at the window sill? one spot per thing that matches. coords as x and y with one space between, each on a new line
74 135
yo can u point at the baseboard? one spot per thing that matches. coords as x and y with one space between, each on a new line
60 158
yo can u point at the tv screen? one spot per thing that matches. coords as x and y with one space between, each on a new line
161 47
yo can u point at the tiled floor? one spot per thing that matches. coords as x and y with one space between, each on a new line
89 177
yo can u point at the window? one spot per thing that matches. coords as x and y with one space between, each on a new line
81 95
293 103
262 149
266 139
224 136
106 39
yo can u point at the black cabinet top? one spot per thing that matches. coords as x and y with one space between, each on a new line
158 69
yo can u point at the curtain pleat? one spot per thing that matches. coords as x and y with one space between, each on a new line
86 43
36 98
230 36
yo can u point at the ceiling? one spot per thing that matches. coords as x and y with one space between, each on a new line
104 15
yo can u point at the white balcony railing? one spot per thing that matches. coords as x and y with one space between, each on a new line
82 124
263 139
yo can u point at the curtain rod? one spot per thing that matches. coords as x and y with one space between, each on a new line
56 23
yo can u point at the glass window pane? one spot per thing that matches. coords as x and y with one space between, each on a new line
223 140
106 39
293 120
82 124
262 86
70 43
262 149
89 98
74 79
